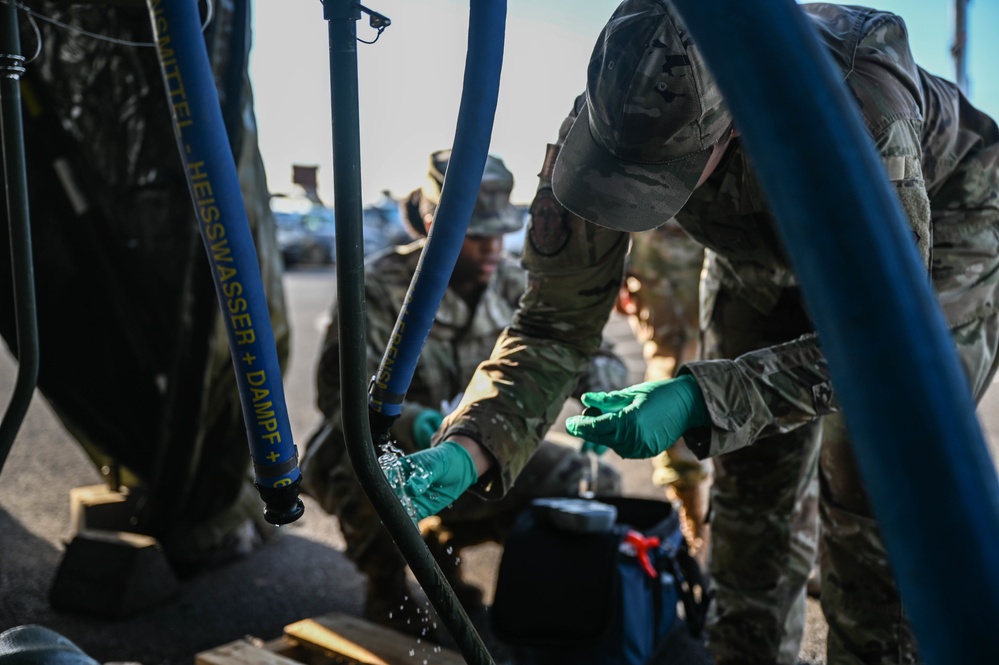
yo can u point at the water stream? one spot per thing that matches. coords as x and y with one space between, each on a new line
397 473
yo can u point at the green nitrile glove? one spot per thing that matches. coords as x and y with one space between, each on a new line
643 420
425 424
437 477
595 448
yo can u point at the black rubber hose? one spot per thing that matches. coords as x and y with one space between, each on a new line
342 16
22 263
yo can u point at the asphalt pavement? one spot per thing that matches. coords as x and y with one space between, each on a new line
301 574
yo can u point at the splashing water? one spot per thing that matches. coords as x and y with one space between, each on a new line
398 472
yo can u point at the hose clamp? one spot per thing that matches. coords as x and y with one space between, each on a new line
12 66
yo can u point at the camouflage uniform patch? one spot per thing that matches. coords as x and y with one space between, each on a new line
548 232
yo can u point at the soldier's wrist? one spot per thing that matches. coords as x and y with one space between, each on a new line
483 461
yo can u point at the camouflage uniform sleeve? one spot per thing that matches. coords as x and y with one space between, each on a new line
765 392
776 389
574 272
885 81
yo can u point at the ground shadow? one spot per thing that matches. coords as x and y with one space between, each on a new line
289 579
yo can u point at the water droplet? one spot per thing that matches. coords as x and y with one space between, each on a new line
391 464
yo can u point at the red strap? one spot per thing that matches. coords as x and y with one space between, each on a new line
642 545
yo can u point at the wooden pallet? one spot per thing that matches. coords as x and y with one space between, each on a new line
331 639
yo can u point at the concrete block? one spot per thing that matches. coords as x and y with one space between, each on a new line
112 574
100 507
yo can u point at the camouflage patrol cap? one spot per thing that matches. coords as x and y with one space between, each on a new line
493 214
652 115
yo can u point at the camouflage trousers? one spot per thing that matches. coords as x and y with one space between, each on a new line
762 538
765 528
328 476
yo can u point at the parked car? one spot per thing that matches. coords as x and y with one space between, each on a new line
305 229
305 238
383 228
292 240
320 226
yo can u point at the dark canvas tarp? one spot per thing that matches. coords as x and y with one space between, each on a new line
134 357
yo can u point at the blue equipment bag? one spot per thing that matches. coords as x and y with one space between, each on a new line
576 587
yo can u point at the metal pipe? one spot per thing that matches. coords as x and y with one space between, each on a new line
19 219
225 230
342 16
906 402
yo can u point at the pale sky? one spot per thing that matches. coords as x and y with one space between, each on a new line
410 80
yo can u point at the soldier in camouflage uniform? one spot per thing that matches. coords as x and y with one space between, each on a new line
479 302
768 382
660 295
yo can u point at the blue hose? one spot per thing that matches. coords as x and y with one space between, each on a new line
225 230
480 91
907 404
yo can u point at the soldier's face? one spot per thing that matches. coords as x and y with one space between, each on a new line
478 259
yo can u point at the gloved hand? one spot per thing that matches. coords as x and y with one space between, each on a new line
425 424
643 420
595 448
437 477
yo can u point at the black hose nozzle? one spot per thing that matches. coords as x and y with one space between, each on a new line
281 504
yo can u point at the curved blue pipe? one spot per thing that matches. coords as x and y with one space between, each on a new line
487 19
225 230
906 402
